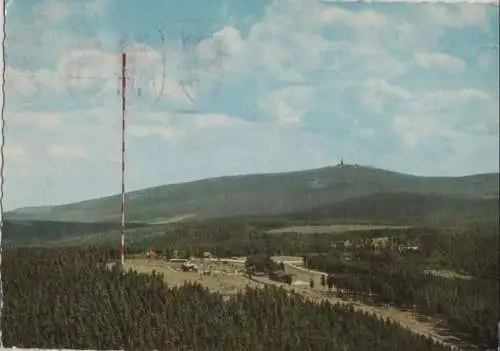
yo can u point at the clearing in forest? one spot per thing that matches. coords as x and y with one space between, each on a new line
291 259
223 278
226 281
332 229
448 274
408 319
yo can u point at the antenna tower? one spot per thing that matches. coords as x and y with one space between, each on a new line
122 225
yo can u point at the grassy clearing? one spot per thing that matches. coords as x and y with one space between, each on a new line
227 284
175 219
224 280
448 274
332 229
287 258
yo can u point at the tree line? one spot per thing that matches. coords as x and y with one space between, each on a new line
240 238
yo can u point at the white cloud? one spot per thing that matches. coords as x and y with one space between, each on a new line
81 67
448 106
363 58
49 121
34 120
485 60
270 48
289 104
439 61
418 129
366 134
57 10
27 84
67 151
383 87
144 130
96 7
14 152
378 92
458 16
165 74
287 43
78 134
97 71
354 19
98 130
448 97
412 129
54 10
216 120
226 40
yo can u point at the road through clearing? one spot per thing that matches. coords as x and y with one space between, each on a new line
417 323
231 282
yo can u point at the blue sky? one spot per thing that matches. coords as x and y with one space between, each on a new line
233 87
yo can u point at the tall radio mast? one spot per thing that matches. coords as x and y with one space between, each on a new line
122 226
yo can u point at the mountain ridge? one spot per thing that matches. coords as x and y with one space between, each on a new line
261 194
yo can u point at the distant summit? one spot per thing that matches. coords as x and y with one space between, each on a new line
263 194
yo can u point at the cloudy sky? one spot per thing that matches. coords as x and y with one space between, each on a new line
235 86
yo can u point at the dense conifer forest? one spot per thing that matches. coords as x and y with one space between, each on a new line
66 297
387 275
69 298
468 305
226 238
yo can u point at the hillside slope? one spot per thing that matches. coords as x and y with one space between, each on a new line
264 194
16 232
384 209
405 208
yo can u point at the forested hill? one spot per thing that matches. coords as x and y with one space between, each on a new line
15 232
405 208
262 194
